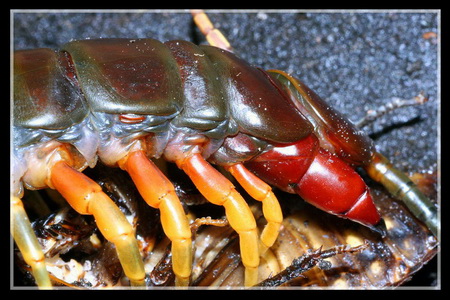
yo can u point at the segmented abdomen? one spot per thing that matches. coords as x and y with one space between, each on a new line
101 95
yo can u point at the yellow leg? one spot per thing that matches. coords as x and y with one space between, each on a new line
87 197
212 34
261 191
159 192
220 191
28 244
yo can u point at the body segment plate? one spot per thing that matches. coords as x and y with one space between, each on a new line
204 107
44 96
127 76
257 105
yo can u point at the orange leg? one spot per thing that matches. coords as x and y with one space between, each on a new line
212 34
220 191
159 193
87 197
28 244
261 191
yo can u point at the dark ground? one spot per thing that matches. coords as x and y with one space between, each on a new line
356 61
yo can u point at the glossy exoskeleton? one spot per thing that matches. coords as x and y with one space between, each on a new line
123 101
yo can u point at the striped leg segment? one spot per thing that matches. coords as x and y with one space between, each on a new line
159 193
28 244
87 197
261 191
220 191
212 34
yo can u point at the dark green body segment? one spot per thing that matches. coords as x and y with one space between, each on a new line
120 76
199 87
44 96
204 103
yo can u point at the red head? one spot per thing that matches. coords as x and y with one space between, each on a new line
320 178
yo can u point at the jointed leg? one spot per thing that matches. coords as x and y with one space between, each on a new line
28 244
212 34
261 191
220 191
87 197
159 192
